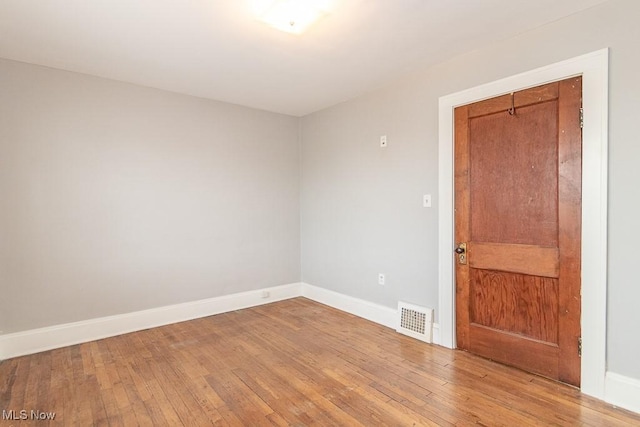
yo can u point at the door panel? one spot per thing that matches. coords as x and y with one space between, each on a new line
518 208
512 157
517 303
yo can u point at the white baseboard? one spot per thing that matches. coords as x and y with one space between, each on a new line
622 391
37 340
376 313
51 337
380 314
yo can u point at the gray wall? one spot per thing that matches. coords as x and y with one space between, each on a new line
116 198
361 205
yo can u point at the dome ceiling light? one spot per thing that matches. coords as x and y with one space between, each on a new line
292 16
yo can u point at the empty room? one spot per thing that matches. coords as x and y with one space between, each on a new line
319 212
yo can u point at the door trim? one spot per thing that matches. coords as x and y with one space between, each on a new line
594 69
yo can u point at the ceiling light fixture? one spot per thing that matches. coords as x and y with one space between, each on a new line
294 16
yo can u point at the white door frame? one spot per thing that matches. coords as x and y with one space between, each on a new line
594 69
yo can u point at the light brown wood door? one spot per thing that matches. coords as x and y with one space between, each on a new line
518 170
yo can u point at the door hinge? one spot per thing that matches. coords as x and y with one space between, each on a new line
579 346
581 117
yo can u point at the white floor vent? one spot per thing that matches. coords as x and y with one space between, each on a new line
415 321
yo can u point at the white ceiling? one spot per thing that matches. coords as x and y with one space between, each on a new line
217 49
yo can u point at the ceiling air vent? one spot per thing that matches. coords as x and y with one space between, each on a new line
415 321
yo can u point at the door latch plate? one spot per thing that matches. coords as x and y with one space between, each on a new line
461 251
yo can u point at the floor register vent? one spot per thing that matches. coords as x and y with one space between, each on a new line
415 321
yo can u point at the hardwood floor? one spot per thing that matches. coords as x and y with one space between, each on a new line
294 362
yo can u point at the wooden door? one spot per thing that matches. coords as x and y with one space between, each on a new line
518 170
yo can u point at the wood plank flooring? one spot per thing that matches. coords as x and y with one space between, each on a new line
290 363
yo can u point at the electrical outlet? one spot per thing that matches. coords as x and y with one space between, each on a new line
381 279
383 141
